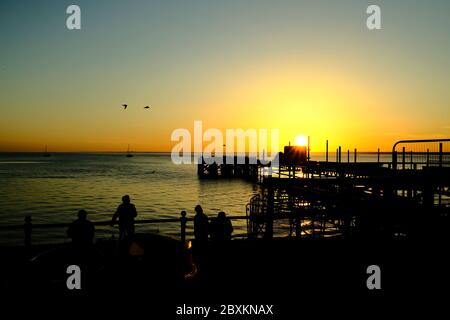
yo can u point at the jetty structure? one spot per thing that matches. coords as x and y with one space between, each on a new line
346 197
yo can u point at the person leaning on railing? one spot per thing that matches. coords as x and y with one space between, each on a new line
126 212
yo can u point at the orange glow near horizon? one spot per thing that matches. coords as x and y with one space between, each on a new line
323 100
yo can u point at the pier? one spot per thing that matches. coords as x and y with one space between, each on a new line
230 167
346 197
364 199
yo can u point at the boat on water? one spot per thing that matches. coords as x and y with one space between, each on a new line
46 154
129 155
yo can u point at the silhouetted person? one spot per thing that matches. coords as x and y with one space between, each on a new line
81 230
221 228
201 225
126 212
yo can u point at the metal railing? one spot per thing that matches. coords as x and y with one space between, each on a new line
421 153
28 226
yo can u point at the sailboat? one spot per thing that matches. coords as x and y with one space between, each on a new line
46 154
129 155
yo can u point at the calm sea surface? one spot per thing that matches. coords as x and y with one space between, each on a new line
52 189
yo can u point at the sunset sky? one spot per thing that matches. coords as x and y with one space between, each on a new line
305 67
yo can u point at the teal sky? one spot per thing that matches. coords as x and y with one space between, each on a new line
306 67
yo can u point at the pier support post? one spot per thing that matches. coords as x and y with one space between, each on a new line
269 214
394 160
201 166
27 227
183 221
411 160
326 153
309 149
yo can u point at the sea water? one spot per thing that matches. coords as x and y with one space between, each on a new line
53 189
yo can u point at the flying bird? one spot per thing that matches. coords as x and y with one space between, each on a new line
146 107
124 106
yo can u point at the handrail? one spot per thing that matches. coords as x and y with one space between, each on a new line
107 223
95 223
418 141
28 226
440 153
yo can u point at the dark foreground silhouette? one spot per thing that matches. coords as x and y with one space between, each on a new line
125 213
157 271
161 273
221 228
81 231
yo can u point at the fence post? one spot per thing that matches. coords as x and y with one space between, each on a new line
183 221
403 158
394 160
440 155
27 227
326 154
411 160
309 149
355 155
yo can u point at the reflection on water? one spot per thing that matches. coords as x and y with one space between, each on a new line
54 189
20 162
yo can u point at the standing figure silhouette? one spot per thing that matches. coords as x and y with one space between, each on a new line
221 228
126 212
201 225
81 231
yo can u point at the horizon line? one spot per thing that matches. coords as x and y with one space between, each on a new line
169 152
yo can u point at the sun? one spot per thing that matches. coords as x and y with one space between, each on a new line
301 141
